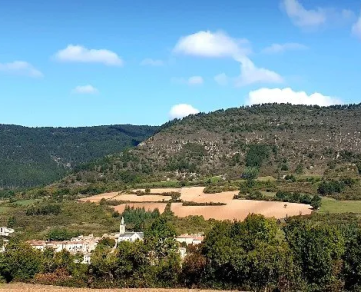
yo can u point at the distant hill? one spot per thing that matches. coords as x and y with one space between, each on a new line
35 156
272 139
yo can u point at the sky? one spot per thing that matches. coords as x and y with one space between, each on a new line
88 62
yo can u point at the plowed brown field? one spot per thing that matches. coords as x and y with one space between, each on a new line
234 209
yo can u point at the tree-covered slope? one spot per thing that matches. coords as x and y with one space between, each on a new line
33 156
272 139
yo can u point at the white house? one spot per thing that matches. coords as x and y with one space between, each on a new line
4 231
190 238
128 236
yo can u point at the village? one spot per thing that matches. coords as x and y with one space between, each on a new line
84 245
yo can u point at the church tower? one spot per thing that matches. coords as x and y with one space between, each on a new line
122 227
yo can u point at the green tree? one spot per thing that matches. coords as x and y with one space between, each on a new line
352 263
316 202
20 262
317 249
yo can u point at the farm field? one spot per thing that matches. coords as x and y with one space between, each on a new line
234 209
330 205
240 209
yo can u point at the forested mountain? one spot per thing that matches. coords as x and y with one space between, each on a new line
272 139
33 156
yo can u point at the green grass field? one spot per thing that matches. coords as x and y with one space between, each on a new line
333 206
26 202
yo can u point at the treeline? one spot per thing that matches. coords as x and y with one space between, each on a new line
257 254
136 218
282 196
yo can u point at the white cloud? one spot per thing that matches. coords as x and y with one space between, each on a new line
280 48
219 44
303 17
152 62
76 53
287 95
250 74
313 18
221 79
356 28
195 80
180 111
85 89
211 45
20 68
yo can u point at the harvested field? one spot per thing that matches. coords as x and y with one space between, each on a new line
146 206
126 197
145 198
19 287
195 194
239 209
234 209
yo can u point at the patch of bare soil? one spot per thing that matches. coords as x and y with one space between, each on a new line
234 209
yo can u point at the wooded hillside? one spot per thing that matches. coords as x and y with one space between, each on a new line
272 139
34 156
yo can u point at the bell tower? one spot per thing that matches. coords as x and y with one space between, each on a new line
122 227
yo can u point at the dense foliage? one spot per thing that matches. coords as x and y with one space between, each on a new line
34 156
258 254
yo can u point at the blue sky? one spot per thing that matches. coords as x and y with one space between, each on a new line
88 62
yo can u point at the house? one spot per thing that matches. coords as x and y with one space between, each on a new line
4 231
190 239
81 244
128 236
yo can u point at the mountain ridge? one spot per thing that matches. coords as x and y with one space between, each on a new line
307 139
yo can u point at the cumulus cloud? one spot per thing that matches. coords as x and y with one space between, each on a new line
302 17
152 62
312 18
218 45
194 80
250 74
20 68
85 89
287 95
222 79
211 45
77 53
356 28
180 111
280 48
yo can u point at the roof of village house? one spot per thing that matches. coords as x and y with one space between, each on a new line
193 236
130 234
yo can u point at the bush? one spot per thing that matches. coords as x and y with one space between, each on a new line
250 173
47 209
330 187
60 234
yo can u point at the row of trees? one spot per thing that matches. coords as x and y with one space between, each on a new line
256 255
